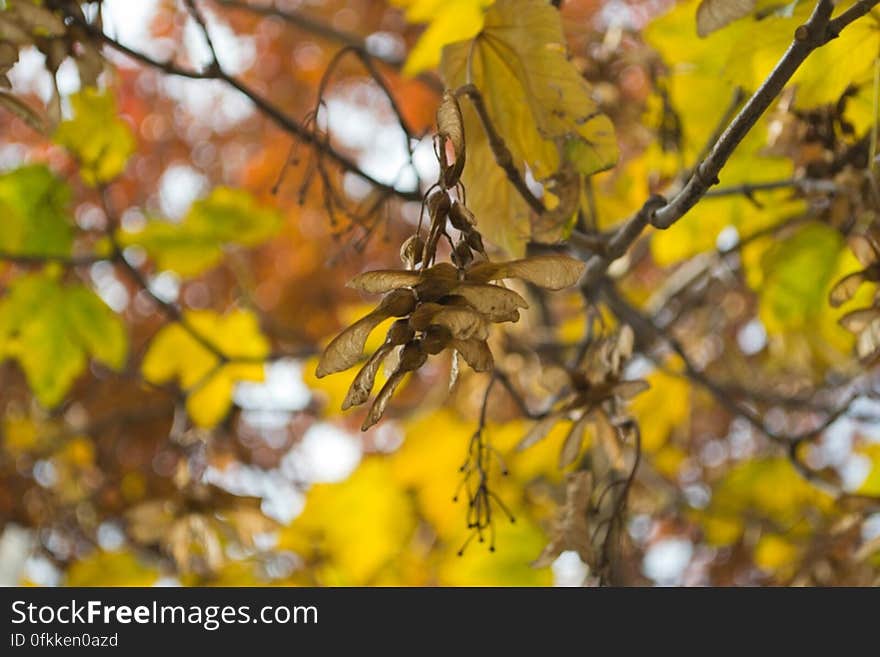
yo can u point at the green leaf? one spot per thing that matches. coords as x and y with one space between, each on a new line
33 207
97 328
51 329
227 216
797 274
96 136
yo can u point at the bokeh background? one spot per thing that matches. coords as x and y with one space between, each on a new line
118 485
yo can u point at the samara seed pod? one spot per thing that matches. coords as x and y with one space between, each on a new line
475 241
438 205
412 356
436 339
462 255
400 332
462 218
399 303
450 131
411 251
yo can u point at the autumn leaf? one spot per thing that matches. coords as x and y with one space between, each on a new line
34 204
448 22
225 218
544 120
176 354
96 136
53 329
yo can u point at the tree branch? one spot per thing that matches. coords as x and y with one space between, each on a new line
503 156
265 106
816 32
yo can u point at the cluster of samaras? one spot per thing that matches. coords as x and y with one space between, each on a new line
864 322
446 306
439 307
592 393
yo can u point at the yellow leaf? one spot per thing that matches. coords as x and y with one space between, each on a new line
96 136
662 408
448 21
227 216
546 120
175 353
359 526
111 569
774 552
768 489
518 545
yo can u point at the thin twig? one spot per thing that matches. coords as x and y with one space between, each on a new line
266 107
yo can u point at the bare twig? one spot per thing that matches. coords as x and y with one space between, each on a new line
266 107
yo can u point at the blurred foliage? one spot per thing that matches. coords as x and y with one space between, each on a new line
177 233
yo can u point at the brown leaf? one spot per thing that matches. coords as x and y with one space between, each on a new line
538 432
383 280
858 320
868 343
572 529
714 14
865 247
629 389
553 272
362 386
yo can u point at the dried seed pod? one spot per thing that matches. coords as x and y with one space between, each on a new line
398 303
400 332
411 251
438 205
436 339
363 383
462 255
412 357
433 288
462 218
450 130
475 241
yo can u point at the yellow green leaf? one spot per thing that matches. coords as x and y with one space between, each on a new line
769 489
96 136
227 216
51 329
33 206
177 354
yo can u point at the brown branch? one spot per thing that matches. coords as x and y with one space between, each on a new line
503 156
804 185
648 333
34 259
329 33
816 32
266 107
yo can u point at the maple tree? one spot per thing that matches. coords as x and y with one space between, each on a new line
420 292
